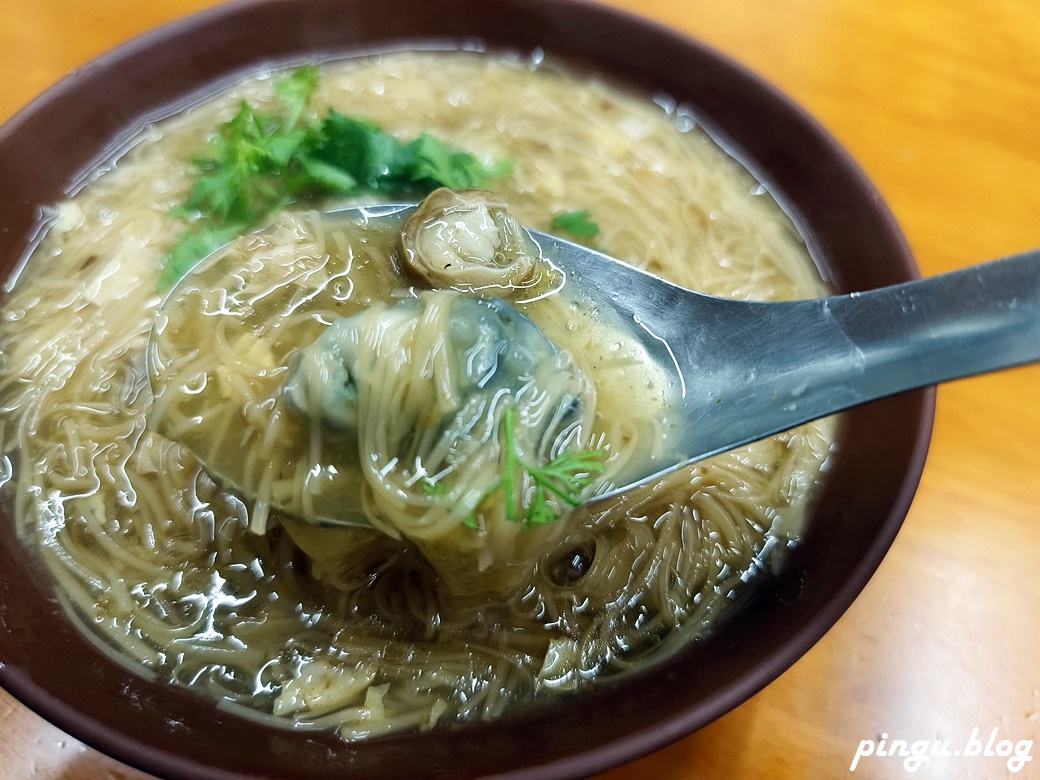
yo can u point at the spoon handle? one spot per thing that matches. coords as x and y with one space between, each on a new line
746 370
975 320
801 360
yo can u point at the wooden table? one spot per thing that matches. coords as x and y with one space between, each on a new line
940 103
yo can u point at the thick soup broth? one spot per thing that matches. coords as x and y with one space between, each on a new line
370 630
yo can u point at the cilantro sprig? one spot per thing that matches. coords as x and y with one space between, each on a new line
565 477
258 162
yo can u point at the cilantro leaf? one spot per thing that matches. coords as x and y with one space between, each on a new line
432 488
576 223
191 246
295 91
357 147
430 164
319 174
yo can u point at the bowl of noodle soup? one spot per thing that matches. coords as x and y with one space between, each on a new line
167 620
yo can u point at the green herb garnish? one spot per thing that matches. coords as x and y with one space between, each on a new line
258 162
576 223
432 488
566 477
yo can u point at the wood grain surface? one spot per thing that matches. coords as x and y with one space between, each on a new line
940 104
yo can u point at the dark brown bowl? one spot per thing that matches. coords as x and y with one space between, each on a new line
50 665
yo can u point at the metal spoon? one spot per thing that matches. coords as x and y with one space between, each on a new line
746 370
752 369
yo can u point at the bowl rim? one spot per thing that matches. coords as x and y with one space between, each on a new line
47 698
